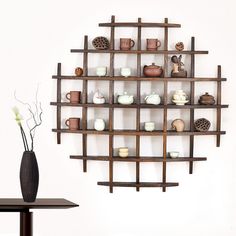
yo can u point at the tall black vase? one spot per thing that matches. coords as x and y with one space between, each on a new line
29 176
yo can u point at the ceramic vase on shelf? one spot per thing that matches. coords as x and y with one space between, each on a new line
99 124
29 176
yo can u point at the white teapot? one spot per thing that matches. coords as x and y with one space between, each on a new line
125 99
98 98
153 99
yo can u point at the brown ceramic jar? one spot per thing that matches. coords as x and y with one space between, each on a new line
206 99
152 70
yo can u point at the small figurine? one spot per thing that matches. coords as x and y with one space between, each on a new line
178 125
78 71
178 67
179 46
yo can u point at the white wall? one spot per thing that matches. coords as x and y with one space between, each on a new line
35 35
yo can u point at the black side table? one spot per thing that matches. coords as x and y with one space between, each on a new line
26 217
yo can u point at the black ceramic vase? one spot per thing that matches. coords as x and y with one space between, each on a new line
29 176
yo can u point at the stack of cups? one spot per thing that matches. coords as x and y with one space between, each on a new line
123 152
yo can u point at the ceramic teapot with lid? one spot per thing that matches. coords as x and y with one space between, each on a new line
98 98
125 99
153 98
152 70
206 99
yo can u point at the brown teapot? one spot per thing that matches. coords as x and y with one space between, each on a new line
152 70
206 99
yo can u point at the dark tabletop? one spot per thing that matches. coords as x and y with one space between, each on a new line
17 204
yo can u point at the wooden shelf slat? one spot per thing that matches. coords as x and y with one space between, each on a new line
133 78
149 106
137 24
140 159
139 51
141 133
140 184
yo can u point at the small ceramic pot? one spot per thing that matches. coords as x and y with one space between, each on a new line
206 99
149 126
73 123
126 72
174 154
125 99
99 124
101 71
123 152
78 71
152 70
73 96
98 98
179 97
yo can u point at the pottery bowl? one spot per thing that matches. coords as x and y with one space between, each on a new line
174 154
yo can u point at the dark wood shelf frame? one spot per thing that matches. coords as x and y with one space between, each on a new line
138 132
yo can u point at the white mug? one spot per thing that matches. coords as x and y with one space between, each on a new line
149 126
125 72
101 71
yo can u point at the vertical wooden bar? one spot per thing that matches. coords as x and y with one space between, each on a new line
218 115
165 106
192 92
58 101
84 101
138 103
111 101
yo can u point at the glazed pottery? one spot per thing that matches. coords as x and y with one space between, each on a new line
153 99
178 67
125 99
206 99
29 176
126 43
73 123
174 154
125 72
98 98
149 126
179 46
179 97
73 96
99 124
152 70
178 125
123 152
153 44
101 43
78 71
202 124
101 71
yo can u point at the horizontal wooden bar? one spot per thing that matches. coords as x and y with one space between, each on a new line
136 24
141 133
137 51
149 106
140 184
133 78
139 159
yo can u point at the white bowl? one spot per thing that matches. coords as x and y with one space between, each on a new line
123 154
180 102
174 154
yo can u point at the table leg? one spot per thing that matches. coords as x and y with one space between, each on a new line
26 223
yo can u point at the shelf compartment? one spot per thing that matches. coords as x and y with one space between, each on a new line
138 159
139 185
138 51
149 106
133 78
143 24
140 133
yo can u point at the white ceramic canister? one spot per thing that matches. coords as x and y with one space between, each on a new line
101 71
99 124
149 126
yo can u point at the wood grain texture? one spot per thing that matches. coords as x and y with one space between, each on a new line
218 113
140 24
58 100
138 185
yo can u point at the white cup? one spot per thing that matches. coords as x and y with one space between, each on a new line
125 72
99 124
101 71
149 126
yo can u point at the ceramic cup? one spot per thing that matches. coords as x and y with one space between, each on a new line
153 44
73 96
101 71
126 43
149 126
174 154
126 72
73 123
99 124
123 152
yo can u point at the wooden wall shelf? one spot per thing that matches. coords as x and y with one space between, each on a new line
111 105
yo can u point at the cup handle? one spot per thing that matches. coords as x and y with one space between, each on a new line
67 122
68 96
132 43
158 43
